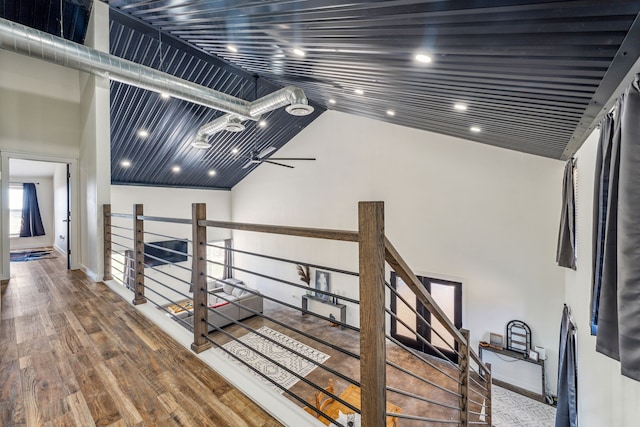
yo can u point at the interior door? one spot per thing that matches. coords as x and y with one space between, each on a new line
414 326
68 220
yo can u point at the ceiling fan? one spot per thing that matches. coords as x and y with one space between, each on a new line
257 157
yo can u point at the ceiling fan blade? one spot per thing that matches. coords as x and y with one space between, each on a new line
266 152
291 158
279 164
248 164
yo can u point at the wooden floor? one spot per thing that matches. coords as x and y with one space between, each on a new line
72 353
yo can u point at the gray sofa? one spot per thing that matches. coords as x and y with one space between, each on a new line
233 290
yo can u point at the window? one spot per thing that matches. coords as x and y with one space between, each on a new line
15 210
216 254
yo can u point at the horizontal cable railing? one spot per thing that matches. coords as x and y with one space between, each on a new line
250 306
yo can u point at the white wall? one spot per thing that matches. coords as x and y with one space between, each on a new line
454 208
605 397
170 203
60 208
44 190
39 106
95 147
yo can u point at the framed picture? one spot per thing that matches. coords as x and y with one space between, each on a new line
496 341
322 284
533 355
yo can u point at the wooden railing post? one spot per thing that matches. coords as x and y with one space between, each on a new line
138 226
199 278
487 376
106 220
372 314
463 388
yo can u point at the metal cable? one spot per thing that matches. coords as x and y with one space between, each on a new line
286 282
397 294
424 399
167 249
170 275
252 291
176 318
335 270
418 377
167 237
291 328
123 237
281 366
166 286
242 325
165 262
404 347
421 338
122 246
122 228
478 384
417 418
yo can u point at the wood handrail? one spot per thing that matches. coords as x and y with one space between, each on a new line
316 233
403 270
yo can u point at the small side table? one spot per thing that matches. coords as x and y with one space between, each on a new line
517 356
324 308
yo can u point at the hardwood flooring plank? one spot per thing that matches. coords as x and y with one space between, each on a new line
74 353
81 413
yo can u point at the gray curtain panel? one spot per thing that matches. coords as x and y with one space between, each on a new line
600 206
567 411
618 332
565 253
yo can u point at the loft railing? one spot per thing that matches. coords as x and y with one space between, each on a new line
453 388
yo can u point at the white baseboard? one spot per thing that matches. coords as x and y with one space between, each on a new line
93 276
59 250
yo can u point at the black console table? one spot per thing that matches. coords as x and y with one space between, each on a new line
324 308
518 356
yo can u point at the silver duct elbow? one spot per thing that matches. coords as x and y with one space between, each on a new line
290 96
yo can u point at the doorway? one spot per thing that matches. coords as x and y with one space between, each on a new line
414 326
57 190
51 195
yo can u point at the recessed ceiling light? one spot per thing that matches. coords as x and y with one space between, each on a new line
262 123
234 151
165 95
143 133
359 92
421 57
212 172
391 113
460 107
299 52
475 129
125 163
176 169
232 48
332 101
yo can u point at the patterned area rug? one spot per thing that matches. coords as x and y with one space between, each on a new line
514 410
259 346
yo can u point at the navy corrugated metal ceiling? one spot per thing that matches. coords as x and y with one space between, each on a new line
172 123
45 16
535 75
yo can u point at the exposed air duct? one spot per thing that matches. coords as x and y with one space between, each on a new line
37 44
291 96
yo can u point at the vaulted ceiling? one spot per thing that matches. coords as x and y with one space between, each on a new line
531 76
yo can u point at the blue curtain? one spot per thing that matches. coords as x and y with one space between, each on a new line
31 220
567 411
